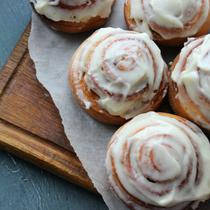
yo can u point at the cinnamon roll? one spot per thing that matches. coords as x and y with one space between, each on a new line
73 16
159 161
190 82
117 74
169 22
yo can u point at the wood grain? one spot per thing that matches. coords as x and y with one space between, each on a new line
30 126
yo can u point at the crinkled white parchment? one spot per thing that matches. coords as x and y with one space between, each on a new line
51 52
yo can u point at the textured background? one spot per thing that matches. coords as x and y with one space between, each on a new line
23 186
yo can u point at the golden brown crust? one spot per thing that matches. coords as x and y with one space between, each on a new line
76 83
175 103
73 27
171 42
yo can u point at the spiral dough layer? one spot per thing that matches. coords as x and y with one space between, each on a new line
124 69
191 76
169 19
159 162
73 10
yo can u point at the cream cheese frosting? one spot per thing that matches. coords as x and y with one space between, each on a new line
125 69
159 162
52 10
192 72
184 17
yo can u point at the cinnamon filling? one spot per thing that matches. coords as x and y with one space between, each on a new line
88 3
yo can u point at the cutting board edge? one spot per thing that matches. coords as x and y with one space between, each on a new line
43 154
56 160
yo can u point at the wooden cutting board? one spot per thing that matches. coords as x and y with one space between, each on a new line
30 126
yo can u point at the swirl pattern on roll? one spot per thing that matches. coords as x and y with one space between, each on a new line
170 19
124 69
159 162
73 10
191 76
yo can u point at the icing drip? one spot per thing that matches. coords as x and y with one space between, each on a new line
125 69
73 10
170 18
157 162
192 76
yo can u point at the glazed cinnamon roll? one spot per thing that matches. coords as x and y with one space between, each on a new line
190 82
159 161
73 16
117 74
170 21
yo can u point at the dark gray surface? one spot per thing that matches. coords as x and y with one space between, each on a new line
25 187
22 185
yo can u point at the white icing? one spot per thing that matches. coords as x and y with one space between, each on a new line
51 10
121 63
138 15
195 77
169 14
176 147
86 102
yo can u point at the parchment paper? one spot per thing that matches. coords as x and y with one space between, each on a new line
51 52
